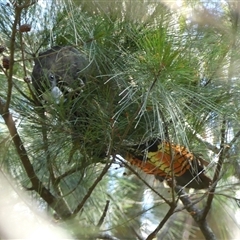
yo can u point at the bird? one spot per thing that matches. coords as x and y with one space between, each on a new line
63 67
64 78
166 160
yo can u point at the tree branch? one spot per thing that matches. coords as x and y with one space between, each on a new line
135 173
106 237
217 171
74 169
161 224
11 59
196 214
90 190
210 146
57 204
101 220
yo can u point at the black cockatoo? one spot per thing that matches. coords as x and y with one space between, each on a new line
60 69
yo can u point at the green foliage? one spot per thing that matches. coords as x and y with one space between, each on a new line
155 76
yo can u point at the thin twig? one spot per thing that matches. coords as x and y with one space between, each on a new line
210 146
127 222
235 138
161 224
106 237
23 59
101 220
217 171
22 51
11 59
196 214
48 155
138 176
38 186
171 153
26 4
90 190
22 93
180 209
71 171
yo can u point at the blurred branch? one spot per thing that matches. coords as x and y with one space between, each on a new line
224 150
218 169
169 224
74 169
210 146
22 50
38 186
90 190
106 237
28 222
166 130
18 143
161 224
128 223
11 59
101 220
17 19
26 4
196 214
235 138
135 173
192 202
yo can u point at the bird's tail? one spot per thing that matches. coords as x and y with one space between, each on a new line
166 160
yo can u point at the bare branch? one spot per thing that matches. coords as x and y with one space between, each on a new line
135 173
210 146
12 51
101 220
74 169
217 173
90 190
235 138
161 224
106 237
38 186
26 4
192 202
196 214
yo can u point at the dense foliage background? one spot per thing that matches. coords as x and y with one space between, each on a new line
163 69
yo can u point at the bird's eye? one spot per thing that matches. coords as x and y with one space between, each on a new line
51 77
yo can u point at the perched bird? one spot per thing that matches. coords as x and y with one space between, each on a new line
60 70
64 73
165 160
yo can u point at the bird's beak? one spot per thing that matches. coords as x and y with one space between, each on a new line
56 93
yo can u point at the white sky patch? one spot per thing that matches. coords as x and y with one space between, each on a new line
237 216
42 3
172 4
